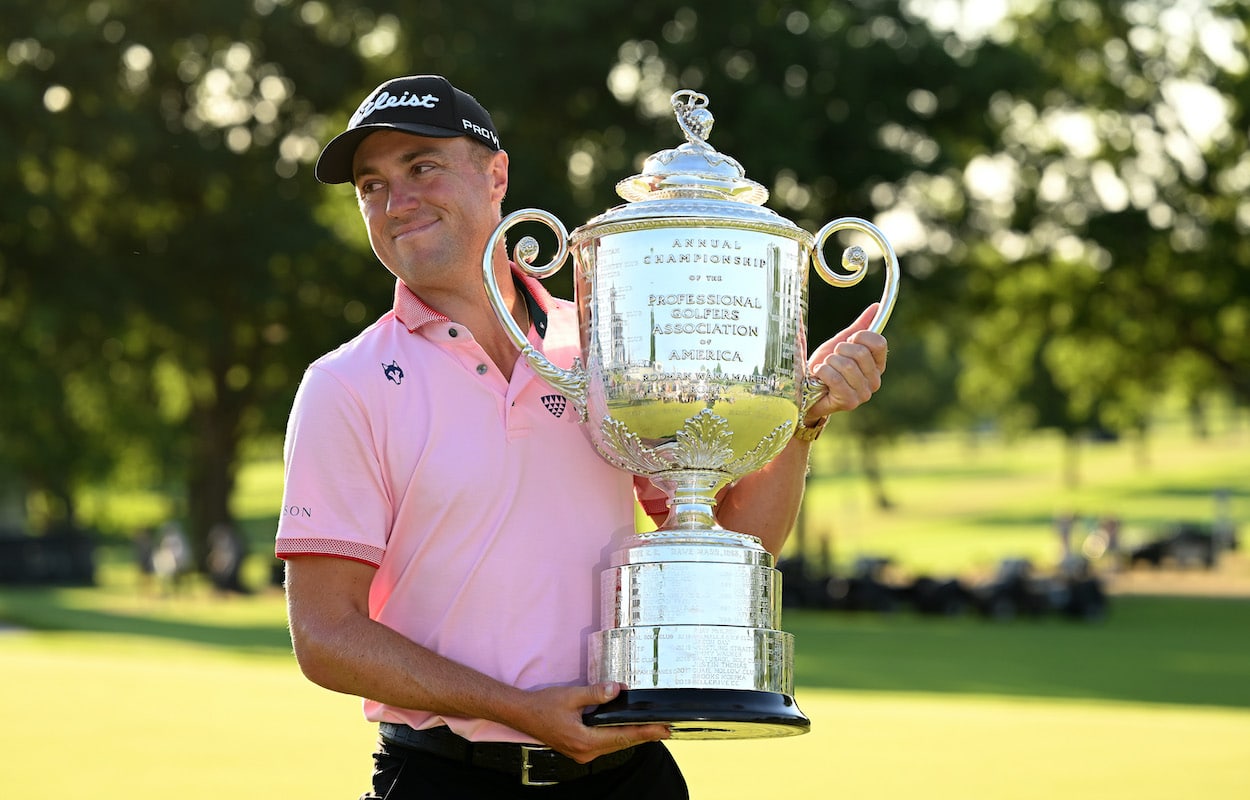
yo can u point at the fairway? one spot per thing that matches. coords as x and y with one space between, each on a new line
151 722
166 702
200 698
917 745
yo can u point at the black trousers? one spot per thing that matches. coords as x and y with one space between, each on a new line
403 774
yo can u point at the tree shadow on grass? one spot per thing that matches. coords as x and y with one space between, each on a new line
1189 491
49 610
1151 650
1189 651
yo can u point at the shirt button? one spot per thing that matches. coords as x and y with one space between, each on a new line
482 369
453 333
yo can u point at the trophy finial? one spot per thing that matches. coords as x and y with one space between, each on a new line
693 115
694 170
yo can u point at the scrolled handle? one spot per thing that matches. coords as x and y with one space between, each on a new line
855 262
523 254
571 382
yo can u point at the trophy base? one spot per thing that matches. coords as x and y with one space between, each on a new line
705 713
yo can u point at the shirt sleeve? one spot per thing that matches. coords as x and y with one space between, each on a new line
335 498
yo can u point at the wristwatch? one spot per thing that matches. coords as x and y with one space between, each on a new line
805 433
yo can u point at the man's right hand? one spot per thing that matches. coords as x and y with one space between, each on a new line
554 716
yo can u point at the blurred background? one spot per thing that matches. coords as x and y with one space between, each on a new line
1068 397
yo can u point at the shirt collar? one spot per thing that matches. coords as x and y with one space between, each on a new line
413 312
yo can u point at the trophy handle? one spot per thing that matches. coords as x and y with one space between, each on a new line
855 262
571 382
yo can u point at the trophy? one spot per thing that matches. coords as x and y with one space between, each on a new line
692 303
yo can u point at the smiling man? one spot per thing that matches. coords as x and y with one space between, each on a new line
456 517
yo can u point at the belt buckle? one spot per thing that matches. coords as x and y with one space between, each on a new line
526 749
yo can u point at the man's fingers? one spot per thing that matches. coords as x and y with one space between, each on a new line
851 373
860 324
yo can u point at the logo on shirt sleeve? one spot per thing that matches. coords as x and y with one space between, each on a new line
393 372
555 403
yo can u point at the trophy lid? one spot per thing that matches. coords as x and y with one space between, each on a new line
691 184
695 170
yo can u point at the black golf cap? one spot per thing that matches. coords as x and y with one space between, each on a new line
427 105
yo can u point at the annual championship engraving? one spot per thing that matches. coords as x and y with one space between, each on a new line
692 303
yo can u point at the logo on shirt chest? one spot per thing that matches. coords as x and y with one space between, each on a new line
393 372
555 403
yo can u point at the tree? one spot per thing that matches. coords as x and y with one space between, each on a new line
169 155
168 265
1114 210
164 265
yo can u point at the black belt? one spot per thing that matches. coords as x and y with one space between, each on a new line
534 765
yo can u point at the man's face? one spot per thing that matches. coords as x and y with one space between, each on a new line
430 205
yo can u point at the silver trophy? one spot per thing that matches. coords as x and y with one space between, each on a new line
692 300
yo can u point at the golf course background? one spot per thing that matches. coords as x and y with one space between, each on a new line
117 692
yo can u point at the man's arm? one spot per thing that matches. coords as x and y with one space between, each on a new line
766 503
340 648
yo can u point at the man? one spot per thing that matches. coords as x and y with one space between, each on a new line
443 528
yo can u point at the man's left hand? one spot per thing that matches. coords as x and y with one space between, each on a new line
850 366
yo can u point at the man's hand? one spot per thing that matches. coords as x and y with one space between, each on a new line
554 717
850 366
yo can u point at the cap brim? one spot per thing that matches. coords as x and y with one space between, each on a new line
334 165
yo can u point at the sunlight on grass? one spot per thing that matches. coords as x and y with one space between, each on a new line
199 695
960 503
205 726
889 745
961 506
187 723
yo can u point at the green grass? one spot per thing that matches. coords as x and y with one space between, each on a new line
1190 651
114 716
890 746
961 505
199 696
112 692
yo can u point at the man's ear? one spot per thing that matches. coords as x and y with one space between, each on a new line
499 176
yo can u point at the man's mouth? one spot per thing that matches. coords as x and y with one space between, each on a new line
413 228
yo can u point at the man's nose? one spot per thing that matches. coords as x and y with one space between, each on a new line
402 199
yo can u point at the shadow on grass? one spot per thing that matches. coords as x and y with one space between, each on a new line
1190 651
1155 650
57 610
1034 521
1188 491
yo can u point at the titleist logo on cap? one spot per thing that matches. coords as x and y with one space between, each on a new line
386 100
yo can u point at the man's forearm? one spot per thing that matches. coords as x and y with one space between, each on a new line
766 502
359 656
340 648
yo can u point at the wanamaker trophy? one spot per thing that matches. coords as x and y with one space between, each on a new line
692 300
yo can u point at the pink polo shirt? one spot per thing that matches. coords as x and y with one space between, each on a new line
486 511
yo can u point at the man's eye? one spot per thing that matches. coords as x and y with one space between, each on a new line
368 187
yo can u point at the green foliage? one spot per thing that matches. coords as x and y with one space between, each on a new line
163 243
1119 242
1064 188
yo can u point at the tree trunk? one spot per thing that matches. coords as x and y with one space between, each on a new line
211 473
12 505
872 471
1071 460
800 530
1141 448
